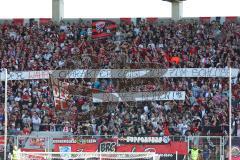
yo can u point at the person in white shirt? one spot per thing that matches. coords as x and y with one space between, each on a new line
146 110
18 97
85 107
36 121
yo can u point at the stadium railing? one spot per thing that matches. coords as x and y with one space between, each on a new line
217 145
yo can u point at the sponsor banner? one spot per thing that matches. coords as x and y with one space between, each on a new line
138 96
117 145
103 28
144 140
111 147
107 145
87 145
171 148
121 73
77 147
32 156
81 140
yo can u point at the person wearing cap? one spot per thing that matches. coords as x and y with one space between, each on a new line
194 153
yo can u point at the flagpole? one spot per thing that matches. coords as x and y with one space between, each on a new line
230 113
5 117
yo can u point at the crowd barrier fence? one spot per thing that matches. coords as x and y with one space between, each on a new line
217 145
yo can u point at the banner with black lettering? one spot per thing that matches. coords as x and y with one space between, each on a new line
107 144
103 28
121 73
86 144
168 150
144 140
138 96
82 140
83 144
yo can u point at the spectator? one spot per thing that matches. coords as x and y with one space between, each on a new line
36 121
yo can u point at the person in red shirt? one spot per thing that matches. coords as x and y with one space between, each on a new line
26 130
166 129
62 37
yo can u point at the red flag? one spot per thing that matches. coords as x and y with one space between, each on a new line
60 94
44 20
18 21
103 28
126 20
152 20
205 19
231 19
60 104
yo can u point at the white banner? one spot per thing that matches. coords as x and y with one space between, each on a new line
26 75
138 96
147 140
122 73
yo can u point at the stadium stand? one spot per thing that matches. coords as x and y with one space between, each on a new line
66 46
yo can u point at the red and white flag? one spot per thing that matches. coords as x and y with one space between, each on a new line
60 94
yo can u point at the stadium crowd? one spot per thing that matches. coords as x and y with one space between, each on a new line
52 46
143 45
